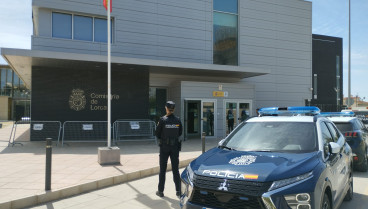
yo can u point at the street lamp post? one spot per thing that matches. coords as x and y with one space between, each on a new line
349 70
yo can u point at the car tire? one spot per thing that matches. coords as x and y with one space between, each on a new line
326 203
364 166
350 193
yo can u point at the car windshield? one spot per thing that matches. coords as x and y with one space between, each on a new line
363 116
344 127
297 137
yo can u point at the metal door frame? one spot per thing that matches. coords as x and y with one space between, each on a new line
185 112
237 101
214 116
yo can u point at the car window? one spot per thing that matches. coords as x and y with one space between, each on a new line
335 134
344 127
326 135
361 125
356 125
274 136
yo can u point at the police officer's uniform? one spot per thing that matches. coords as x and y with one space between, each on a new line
168 130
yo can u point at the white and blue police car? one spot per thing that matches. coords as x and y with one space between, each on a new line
286 158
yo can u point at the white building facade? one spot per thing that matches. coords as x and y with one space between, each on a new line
208 56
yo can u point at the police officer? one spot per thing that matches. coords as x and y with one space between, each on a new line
168 130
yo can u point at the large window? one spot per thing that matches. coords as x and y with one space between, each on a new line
83 28
225 32
11 85
77 27
157 101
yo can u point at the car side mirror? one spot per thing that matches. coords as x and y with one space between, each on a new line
334 147
221 142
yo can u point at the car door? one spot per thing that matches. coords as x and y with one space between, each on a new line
342 167
332 161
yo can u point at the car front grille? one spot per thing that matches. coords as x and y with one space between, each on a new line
215 199
237 194
241 187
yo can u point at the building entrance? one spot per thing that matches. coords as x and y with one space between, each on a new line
235 112
199 117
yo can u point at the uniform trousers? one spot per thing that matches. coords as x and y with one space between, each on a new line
167 151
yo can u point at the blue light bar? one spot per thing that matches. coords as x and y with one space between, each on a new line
309 110
338 114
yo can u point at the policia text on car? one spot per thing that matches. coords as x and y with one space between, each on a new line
168 130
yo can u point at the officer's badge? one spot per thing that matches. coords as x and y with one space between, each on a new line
77 100
243 160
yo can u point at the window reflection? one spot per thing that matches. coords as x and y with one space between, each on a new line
157 101
226 6
11 85
61 25
225 32
83 28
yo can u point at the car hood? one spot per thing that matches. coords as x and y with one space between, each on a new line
254 166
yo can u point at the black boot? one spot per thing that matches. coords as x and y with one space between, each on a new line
160 194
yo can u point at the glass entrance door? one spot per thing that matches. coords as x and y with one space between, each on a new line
236 111
192 118
208 117
199 117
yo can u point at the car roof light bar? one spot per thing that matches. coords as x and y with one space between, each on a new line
338 114
274 111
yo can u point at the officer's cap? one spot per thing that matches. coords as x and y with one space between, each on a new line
170 104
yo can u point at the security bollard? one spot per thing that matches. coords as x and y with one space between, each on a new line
203 142
48 164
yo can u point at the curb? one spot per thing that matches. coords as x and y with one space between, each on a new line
62 193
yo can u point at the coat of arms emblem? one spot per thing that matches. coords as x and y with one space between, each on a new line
77 100
243 160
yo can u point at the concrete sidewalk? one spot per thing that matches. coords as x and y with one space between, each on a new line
75 168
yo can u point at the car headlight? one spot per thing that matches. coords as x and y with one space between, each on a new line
190 174
284 182
187 184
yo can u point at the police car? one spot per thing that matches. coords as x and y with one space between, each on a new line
356 135
299 161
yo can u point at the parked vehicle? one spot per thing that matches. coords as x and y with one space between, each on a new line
299 161
356 135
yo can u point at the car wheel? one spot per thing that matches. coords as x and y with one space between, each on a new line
349 194
364 166
326 204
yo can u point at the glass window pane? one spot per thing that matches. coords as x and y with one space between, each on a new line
101 30
225 39
61 25
226 6
2 81
83 28
231 115
208 118
9 82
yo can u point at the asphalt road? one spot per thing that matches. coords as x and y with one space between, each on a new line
360 199
140 194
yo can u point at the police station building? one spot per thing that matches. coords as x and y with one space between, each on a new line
208 56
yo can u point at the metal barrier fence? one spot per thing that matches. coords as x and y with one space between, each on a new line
84 131
134 130
35 130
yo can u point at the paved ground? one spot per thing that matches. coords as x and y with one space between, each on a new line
23 167
138 194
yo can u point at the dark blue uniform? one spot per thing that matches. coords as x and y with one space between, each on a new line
168 130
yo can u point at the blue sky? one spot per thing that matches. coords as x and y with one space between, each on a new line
330 17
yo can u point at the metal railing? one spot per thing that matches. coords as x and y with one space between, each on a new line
84 131
39 130
133 130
